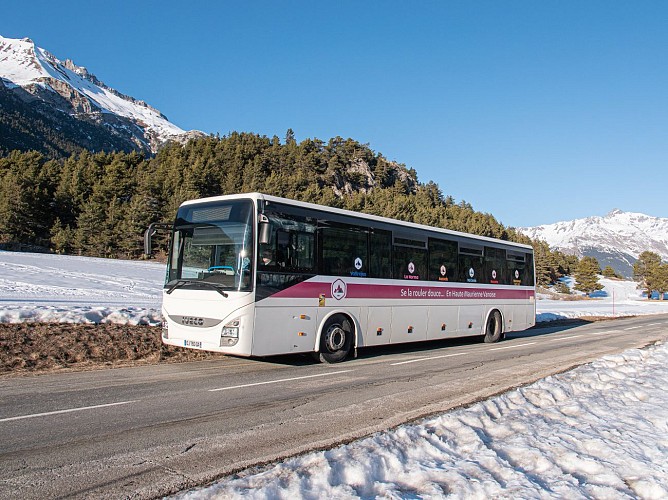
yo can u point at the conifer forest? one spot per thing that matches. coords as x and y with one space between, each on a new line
100 204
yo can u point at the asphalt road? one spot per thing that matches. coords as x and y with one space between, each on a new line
149 431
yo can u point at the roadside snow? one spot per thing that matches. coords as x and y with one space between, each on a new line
598 431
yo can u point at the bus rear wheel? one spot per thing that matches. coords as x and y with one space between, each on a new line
336 340
494 328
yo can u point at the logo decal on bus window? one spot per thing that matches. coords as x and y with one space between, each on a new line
339 289
411 267
358 263
444 270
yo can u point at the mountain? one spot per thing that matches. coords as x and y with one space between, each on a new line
57 107
616 239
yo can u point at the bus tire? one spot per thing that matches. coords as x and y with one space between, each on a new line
494 327
336 339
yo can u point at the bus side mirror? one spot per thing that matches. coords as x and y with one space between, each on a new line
264 230
150 232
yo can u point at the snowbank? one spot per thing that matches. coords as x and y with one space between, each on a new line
562 437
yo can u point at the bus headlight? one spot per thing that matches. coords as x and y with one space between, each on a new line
230 333
231 329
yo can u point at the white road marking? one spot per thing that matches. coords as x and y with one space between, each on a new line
632 328
607 332
70 410
278 381
565 338
654 324
512 346
417 360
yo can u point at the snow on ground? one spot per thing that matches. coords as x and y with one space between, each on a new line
561 437
618 298
68 289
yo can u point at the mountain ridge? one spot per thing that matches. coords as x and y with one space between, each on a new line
42 83
616 239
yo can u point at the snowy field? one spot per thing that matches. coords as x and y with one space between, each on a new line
562 437
67 289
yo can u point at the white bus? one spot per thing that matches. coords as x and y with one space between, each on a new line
258 275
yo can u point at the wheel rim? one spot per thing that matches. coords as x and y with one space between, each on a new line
335 338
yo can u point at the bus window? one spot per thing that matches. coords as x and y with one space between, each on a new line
291 246
495 265
380 254
409 257
528 277
442 260
520 268
344 251
470 264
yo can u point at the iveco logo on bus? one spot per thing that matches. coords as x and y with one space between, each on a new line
190 321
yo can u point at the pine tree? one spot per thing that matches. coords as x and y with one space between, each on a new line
542 256
646 271
15 213
662 281
586 275
62 238
609 272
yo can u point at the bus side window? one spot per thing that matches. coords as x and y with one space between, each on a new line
291 246
344 251
380 254
516 263
495 266
409 257
470 263
528 278
442 260
283 250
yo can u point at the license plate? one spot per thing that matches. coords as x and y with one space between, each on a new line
192 343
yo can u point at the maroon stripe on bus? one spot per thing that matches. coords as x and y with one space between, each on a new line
312 289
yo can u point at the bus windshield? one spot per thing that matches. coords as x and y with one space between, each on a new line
212 246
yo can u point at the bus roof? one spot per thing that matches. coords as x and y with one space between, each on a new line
349 213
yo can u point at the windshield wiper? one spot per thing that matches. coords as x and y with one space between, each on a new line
218 288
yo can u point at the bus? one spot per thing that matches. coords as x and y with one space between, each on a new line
257 275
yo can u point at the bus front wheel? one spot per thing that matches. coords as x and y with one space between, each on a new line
336 339
494 327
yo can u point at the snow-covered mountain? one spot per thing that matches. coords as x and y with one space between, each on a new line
615 239
37 78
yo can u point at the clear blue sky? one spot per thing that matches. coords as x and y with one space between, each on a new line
533 111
